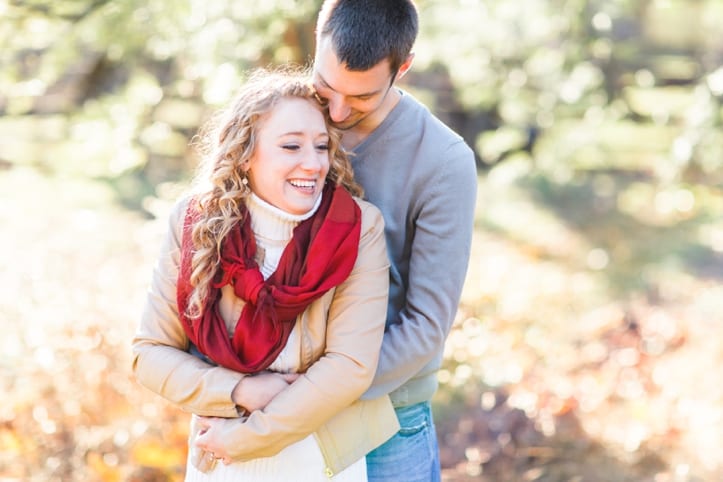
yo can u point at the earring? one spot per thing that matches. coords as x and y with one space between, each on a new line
245 183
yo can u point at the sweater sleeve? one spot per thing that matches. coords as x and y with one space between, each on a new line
437 269
161 361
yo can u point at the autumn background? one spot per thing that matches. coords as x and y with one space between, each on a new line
589 339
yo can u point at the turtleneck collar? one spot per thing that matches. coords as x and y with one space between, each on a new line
273 223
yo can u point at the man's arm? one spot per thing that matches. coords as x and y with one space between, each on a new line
437 269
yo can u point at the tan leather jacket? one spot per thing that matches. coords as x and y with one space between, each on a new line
340 340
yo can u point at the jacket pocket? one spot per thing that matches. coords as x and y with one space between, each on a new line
356 431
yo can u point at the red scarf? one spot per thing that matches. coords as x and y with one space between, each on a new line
320 255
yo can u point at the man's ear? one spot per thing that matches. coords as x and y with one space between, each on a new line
404 68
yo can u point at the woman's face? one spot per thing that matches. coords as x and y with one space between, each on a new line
291 159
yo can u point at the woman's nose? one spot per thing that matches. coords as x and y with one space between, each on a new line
313 159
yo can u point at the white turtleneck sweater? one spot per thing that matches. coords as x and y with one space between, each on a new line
273 229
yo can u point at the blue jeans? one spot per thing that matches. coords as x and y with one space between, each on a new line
412 455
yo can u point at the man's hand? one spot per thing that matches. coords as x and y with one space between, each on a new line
210 440
254 392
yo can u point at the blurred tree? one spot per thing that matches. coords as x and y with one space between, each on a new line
85 43
531 65
120 88
117 89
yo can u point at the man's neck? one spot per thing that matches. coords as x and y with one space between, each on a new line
350 139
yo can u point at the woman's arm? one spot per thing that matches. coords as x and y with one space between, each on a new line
161 361
355 327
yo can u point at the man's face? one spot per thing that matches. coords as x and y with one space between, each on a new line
356 99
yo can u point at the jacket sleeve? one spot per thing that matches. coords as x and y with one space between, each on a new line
161 361
354 331
441 245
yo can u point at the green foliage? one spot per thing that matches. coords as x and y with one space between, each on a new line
526 67
132 81
536 65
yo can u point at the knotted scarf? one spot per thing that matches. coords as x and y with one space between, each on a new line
319 256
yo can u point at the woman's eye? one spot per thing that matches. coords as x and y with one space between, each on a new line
323 147
290 147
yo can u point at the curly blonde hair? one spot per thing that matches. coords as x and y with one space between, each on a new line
226 143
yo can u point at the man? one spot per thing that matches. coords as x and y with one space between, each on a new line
423 178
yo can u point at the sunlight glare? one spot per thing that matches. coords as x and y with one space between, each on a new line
488 400
597 259
602 22
715 82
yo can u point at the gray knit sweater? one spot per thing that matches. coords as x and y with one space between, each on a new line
423 178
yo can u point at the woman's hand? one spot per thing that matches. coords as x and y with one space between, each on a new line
254 392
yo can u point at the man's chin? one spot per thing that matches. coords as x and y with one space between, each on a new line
347 124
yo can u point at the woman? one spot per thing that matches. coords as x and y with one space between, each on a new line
267 306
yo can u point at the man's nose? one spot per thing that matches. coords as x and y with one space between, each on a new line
339 110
